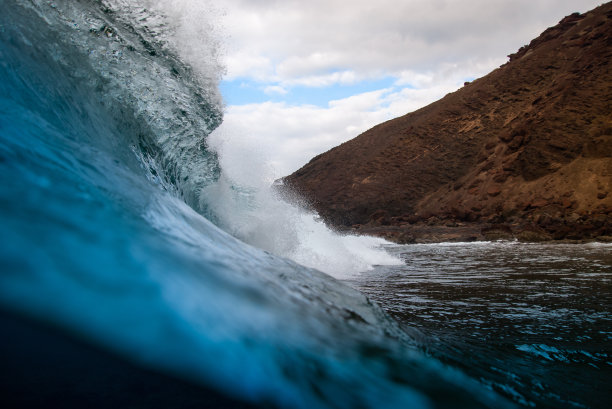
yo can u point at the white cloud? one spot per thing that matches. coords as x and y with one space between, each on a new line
275 89
325 80
302 42
246 64
283 137
308 39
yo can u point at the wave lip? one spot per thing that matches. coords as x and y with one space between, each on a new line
122 52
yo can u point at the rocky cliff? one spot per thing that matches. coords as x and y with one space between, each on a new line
525 151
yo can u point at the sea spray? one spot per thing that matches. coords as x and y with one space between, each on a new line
245 203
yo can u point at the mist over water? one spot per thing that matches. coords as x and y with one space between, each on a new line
246 204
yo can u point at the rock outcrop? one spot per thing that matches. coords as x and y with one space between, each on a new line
524 152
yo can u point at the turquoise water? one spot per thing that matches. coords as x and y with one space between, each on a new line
120 228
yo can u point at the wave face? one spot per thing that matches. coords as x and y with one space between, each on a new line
106 198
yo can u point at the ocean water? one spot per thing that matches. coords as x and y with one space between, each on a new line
128 224
532 321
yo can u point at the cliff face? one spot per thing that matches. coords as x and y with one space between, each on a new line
525 150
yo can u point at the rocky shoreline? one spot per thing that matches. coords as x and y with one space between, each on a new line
450 232
535 222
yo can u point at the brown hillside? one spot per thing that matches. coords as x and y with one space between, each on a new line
525 151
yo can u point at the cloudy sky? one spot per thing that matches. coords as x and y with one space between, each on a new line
304 76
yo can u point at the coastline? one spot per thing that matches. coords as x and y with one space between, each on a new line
423 232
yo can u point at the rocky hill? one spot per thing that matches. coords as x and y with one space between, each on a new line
524 152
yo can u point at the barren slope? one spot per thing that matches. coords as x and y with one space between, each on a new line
525 150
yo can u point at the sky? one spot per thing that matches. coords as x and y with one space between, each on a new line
302 77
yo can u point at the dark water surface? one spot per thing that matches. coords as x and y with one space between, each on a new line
532 321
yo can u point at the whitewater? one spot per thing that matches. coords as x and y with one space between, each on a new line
129 223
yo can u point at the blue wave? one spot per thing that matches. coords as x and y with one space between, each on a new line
103 164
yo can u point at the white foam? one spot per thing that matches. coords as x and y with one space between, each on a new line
191 27
248 207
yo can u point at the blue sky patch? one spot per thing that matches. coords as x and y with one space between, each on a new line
242 92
